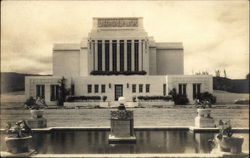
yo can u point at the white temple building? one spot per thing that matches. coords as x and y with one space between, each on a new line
118 58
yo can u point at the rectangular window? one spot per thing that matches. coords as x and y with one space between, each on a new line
54 92
99 51
133 88
121 55
106 55
140 88
93 54
40 91
114 50
136 50
147 88
96 88
103 88
164 89
182 89
129 55
72 89
196 90
89 88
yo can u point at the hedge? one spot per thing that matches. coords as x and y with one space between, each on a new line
83 98
118 73
148 98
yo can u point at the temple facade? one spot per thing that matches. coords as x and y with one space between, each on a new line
118 58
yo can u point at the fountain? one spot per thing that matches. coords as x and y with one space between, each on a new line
122 124
36 110
18 139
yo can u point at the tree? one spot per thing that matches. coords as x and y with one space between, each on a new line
247 76
63 92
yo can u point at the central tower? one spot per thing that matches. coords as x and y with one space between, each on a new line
118 45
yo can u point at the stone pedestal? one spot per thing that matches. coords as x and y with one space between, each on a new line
18 145
122 127
37 123
230 144
37 120
204 120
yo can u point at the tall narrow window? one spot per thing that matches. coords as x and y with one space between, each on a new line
93 48
103 88
106 55
129 55
147 88
96 88
89 88
182 89
196 90
136 50
72 89
142 50
121 55
114 50
164 89
133 88
54 92
40 91
140 88
99 51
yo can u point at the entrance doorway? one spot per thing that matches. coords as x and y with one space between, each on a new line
118 91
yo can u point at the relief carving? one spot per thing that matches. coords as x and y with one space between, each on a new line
118 22
122 114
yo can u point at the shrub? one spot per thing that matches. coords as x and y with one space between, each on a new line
181 100
83 98
206 96
134 98
147 98
104 98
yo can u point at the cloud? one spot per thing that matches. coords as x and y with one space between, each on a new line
214 34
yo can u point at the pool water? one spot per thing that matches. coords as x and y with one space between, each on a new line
149 141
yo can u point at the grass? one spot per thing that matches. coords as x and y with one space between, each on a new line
12 110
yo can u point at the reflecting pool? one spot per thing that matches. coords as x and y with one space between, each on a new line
148 141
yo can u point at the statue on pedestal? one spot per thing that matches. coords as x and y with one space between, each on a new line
122 124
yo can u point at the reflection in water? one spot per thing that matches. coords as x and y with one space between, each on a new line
75 142
201 142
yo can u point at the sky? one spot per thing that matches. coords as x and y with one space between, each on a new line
215 34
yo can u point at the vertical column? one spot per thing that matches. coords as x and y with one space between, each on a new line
110 56
118 55
140 55
132 55
125 55
103 55
96 55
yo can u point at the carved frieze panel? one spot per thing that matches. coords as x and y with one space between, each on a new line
122 114
118 22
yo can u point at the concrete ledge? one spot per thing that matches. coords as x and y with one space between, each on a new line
200 130
139 128
172 155
193 155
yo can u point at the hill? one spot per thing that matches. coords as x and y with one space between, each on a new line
12 82
231 85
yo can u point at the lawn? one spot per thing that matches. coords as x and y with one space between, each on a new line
12 110
142 117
